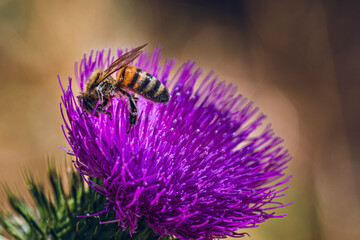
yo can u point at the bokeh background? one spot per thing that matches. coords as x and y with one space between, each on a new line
297 60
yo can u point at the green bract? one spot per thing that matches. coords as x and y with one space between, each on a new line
55 215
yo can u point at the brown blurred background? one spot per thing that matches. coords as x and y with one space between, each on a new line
297 60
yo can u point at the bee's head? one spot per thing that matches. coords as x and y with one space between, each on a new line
87 103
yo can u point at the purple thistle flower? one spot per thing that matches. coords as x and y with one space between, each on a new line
193 168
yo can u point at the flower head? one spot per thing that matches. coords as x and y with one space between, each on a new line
194 168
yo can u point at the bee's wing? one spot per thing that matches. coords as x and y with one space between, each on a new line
124 60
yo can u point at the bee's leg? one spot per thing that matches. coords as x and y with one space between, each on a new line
133 109
133 112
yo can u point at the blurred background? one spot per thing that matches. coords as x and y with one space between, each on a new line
297 60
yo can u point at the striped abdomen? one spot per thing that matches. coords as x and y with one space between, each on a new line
141 82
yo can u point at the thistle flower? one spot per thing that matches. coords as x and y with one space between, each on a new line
194 168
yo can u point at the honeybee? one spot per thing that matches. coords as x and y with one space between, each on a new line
101 87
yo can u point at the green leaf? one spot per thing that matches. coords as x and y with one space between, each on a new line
56 216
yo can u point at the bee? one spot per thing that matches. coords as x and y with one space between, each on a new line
101 87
